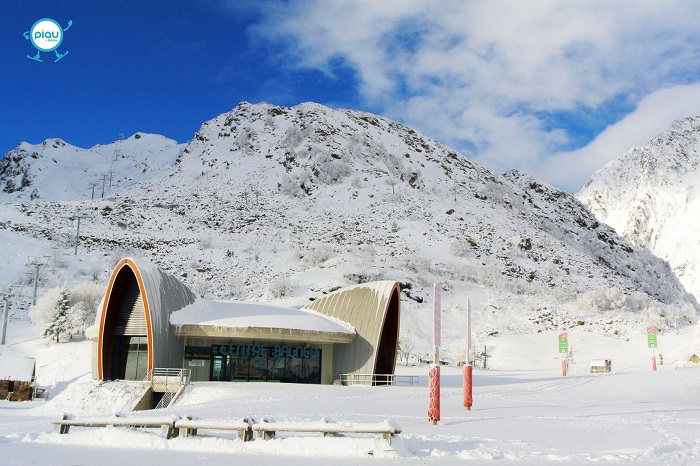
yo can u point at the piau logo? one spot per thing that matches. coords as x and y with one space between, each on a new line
46 35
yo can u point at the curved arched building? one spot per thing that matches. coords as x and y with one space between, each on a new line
149 319
374 310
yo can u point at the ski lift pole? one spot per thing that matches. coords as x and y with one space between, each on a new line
77 237
467 376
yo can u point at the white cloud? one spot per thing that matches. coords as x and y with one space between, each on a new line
654 114
480 75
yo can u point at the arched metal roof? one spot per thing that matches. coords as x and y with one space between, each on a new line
374 309
162 294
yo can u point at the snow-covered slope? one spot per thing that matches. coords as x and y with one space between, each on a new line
650 196
57 171
276 204
523 411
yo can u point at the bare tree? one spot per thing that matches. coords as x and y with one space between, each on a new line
391 181
407 343
236 284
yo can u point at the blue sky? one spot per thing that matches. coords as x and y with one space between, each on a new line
160 67
555 89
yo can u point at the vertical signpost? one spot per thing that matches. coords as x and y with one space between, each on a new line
563 349
434 373
652 344
468 399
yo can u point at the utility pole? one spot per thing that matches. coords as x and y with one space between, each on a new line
92 196
104 180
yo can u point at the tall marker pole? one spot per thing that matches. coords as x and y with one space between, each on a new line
468 399
652 343
434 373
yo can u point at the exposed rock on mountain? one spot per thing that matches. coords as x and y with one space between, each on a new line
271 203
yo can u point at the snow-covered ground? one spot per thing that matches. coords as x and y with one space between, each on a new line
524 410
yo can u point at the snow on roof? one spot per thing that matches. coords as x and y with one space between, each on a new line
248 315
16 368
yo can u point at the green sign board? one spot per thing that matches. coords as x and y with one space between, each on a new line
563 343
651 338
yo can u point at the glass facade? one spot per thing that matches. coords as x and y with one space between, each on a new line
255 362
130 357
137 359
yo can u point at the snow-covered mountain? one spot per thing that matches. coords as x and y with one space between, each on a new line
650 197
57 171
279 204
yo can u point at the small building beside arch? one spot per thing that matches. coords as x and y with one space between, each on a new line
149 319
16 377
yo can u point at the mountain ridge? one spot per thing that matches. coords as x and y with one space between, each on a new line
649 195
284 204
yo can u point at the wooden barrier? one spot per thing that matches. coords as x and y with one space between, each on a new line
188 426
267 429
167 424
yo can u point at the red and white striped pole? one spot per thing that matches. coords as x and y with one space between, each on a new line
563 367
434 408
434 374
468 399
653 363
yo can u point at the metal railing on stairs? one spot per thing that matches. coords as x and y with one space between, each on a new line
377 379
176 377
137 394
171 382
165 400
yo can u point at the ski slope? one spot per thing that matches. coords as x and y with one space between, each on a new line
524 411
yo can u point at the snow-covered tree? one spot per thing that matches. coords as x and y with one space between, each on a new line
60 311
57 322
40 314
280 287
236 285
85 302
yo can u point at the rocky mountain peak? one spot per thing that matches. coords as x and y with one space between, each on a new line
285 204
649 196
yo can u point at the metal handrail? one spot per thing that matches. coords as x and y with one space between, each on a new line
136 396
167 376
164 376
378 379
